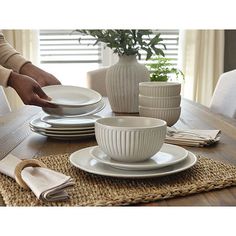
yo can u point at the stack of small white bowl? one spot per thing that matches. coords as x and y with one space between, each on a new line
160 100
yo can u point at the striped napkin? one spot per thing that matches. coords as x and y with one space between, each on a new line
192 137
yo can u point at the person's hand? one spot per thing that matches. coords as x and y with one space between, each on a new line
29 90
42 77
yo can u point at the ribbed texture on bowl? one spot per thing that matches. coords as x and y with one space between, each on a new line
170 115
159 89
130 145
159 102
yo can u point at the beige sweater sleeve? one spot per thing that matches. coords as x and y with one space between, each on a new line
10 60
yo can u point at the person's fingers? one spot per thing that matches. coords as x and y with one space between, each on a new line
38 90
37 101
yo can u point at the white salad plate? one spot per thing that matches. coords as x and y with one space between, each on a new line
71 111
83 160
85 121
71 96
168 155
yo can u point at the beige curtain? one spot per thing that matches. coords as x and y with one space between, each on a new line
202 61
26 43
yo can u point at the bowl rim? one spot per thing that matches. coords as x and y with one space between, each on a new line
157 108
165 98
160 84
161 124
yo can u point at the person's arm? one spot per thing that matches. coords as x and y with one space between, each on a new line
26 78
4 75
42 77
9 57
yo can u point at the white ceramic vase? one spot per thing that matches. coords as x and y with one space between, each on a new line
122 84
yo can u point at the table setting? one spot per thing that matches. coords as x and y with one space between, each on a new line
132 147
127 151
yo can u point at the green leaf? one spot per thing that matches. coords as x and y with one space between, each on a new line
127 42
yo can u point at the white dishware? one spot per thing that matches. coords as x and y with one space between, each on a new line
64 136
170 115
168 155
159 102
159 89
71 96
84 121
130 138
41 125
70 111
64 132
83 160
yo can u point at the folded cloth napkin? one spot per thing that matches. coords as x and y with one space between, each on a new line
192 137
46 184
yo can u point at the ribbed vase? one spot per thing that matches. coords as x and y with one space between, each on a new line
122 84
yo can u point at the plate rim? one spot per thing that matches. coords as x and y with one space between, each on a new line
132 166
64 135
65 132
100 107
43 119
143 175
69 128
99 96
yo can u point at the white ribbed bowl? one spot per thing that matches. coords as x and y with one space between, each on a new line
130 139
170 115
159 89
159 102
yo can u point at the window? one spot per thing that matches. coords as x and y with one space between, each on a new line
171 40
62 55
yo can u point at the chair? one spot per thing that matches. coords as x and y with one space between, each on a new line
4 105
224 98
96 80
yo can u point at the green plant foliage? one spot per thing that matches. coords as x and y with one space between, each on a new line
161 68
128 42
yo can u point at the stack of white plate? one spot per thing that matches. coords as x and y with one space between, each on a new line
169 160
73 101
65 128
73 116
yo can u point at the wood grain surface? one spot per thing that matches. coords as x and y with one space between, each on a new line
16 137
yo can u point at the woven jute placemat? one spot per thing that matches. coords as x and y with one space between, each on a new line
94 190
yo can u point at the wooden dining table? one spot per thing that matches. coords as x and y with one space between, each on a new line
17 138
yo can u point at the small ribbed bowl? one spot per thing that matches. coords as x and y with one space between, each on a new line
130 139
159 89
170 115
159 102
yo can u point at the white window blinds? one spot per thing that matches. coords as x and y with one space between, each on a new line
171 40
62 46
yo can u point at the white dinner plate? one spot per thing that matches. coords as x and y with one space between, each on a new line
64 132
168 155
83 160
75 122
42 126
64 136
71 96
75 111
